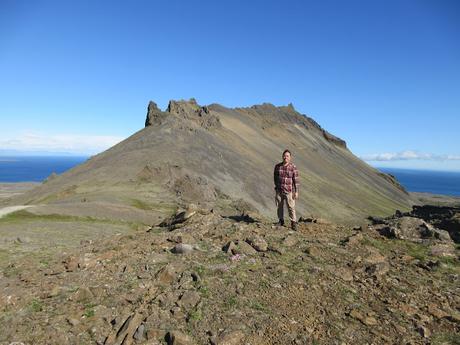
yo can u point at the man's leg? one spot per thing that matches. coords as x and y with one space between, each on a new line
291 209
280 207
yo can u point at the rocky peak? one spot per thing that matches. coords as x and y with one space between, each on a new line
184 110
154 115
181 107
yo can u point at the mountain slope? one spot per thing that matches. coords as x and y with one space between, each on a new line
222 157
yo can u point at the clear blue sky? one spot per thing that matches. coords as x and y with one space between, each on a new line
383 75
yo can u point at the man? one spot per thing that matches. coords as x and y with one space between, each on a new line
286 178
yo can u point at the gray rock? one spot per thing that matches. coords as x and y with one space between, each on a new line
140 333
239 247
413 229
83 294
231 338
290 241
443 250
243 247
179 338
189 299
258 243
378 269
182 248
154 115
72 321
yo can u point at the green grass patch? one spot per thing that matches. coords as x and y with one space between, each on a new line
259 306
204 291
385 246
446 339
89 310
264 284
140 204
416 250
150 206
195 315
23 215
11 271
201 270
230 303
36 305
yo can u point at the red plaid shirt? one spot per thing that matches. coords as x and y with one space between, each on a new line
286 178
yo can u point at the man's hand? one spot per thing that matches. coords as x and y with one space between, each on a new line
296 195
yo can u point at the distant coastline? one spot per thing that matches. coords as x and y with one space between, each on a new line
15 169
427 181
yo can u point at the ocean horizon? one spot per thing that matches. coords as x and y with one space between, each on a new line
38 168
35 168
427 181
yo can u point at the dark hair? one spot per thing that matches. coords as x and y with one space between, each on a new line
286 151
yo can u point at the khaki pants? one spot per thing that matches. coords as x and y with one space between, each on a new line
290 203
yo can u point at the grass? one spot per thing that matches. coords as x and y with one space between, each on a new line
11 271
204 291
449 265
259 306
89 310
36 305
385 246
23 215
195 315
445 339
148 206
230 303
264 284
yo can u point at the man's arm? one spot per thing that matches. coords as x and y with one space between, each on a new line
296 180
275 176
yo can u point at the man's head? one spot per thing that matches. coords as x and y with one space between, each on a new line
286 156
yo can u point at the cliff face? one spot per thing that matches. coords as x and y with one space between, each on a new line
223 157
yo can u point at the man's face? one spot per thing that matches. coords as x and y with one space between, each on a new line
286 158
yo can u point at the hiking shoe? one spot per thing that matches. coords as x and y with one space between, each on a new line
294 226
280 222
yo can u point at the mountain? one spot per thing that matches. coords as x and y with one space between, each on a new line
223 158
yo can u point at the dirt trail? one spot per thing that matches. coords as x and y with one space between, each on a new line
6 210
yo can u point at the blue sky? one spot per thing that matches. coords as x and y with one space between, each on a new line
76 76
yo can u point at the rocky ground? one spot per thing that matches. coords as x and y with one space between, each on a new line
205 278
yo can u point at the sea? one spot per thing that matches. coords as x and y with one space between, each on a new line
428 181
37 169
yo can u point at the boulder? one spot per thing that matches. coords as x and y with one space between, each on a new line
182 248
179 338
258 243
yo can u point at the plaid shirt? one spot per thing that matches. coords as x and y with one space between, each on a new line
286 178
